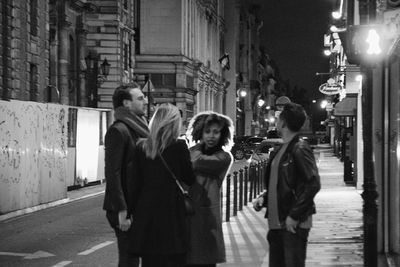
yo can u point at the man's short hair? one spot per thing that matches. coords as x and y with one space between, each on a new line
121 93
294 116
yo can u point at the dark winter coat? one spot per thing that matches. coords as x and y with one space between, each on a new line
119 171
206 237
159 224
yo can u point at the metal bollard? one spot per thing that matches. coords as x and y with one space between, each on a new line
228 198
264 170
260 171
246 184
240 189
255 170
235 202
251 180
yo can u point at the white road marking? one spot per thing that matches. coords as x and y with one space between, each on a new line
97 247
62 264
29 256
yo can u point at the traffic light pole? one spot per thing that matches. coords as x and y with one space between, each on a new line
370 194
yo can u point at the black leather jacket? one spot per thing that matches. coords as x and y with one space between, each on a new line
298 181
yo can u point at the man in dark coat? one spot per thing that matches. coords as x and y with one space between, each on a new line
120 144
292 181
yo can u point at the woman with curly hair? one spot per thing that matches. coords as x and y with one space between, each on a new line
212 133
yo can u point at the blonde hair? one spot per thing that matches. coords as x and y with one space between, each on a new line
164 129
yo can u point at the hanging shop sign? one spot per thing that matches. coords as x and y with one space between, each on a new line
330 88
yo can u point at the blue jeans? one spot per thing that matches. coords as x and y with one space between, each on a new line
287 249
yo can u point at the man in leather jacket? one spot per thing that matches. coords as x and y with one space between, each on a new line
292 181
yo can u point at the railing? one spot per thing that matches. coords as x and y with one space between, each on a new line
241 187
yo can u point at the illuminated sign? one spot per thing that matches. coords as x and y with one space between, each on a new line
330 87
366 43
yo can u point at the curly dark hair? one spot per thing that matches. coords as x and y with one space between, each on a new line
203 120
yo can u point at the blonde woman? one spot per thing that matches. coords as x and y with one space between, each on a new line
159 221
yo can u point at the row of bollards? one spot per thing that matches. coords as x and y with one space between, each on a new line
242 187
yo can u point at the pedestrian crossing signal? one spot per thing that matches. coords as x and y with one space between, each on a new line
366 44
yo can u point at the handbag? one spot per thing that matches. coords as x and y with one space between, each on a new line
189 206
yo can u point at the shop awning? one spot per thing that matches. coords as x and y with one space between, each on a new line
346 107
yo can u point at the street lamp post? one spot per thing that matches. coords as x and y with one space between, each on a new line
370 194
95 76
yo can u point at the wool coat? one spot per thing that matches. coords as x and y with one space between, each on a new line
159 224
120 193
205 226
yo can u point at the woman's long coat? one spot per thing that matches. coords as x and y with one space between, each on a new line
205 226
159 224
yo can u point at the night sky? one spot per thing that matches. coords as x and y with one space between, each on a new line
293 37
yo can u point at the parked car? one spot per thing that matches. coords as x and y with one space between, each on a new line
311 139
244 148
262 151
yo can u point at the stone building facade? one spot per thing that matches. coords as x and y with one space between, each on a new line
180 43
24 49
45 60
97 29
242 43
111 33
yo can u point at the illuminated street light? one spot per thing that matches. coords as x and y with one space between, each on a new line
314 101
268 107
333 28
327 52
272 119
260 102
324 103
243 93
336 15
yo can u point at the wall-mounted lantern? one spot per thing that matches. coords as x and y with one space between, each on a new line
224 61
95 76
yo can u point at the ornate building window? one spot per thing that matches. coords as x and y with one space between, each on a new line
33 14
33 82
126 55
136 25
127 51
163 80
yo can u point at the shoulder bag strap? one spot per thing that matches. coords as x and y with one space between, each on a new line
172 174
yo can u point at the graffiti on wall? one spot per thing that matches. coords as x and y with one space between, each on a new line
33 154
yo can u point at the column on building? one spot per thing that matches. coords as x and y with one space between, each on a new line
212 98
231 40
202 98
207 97
81 35
63 58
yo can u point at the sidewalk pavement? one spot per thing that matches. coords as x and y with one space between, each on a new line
73 195
336 236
